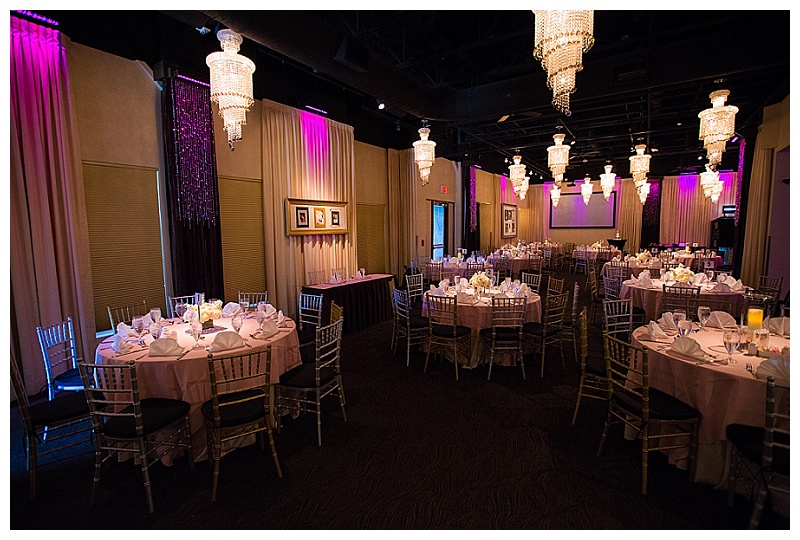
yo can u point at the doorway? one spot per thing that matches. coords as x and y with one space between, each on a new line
439 229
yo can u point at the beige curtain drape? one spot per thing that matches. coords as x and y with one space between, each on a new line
686 214
759 202
305 156
49 236
629 214
402 210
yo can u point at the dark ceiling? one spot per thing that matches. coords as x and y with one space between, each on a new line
644 81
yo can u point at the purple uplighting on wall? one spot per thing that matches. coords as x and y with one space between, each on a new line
32 15
195 164
315 138
185 78
473 203
740 170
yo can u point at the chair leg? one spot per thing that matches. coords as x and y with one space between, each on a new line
578 400
216 456
604 436
272 449
408 350
98 466
341 397
758 507
544 346
427 356
521 361
394 338
190 446
319 419
733 474
30 447
491 363
146 473
455 356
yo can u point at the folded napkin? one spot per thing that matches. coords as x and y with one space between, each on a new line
165 347
522 290
464 298
270 311
668 276
699 279
454 260
444 284
666 321
721 319
721 288
226 340
124 330
481 259
120 346
146 320
779 325
615 258
644 280
435 291
282 319
655 264
737 285
776 366
729 281
688 347
230 309
655 332
269 329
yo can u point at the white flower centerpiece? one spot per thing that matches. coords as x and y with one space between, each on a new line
480 281
207 312
597 245
682 274
643 257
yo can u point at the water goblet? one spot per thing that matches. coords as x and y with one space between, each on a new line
722 276
710 274
260 317
155 330
155 315
730 338
236 321
138 325
703 314
684 328
196 329
180 309
244 304
678 315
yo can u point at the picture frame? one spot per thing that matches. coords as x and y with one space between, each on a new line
508 221
304 217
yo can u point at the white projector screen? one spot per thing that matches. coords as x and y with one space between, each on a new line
571 213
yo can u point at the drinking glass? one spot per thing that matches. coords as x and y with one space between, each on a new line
236 322
262 307
703 314
196 328
684 328
260 317
180 309
244 305
678 315
710 274
155 330
730 338
138 325
722 276
155 315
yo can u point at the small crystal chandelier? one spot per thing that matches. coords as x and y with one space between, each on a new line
231 83
711 184
607 181
717 126
518 178
424 154
640 165
558 157
555 195
586 190
643 191
561 38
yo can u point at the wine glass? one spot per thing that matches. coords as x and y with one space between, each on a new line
703 314
155 315
678 315
710 274
244 304
684 328
138 325
236 321
196 329
180 309
730 338
260 317
155 330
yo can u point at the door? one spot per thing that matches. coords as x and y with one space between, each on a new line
439 236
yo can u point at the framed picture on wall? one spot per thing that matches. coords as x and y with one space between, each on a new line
509 220
315 217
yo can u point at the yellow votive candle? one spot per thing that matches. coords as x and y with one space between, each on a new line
755 316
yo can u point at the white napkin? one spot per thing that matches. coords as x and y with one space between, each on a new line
464 282
124 330
454 260
779 325
721 288
282 320
668 276
776 366
270 312
737 286
269 329
470 259
230 309
444 284
655 264
615 258
120 346
721 319
465 298
688 347
655 332
165 347
699 279
226 340
146 320
522 290
435 291
667 322
729 281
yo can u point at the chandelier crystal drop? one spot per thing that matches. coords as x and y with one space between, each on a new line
231 83
586 190
561 38
518 178
558 155
607 182
424 154
643 191
555 195
717 126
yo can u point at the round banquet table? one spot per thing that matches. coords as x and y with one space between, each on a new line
592 253
724 394
634 268
449 269
687 259
650 300
186 378
479 315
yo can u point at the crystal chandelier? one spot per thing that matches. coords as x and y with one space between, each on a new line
518 178
711 184
586 190
643 191
717 126
607 182
424 154
558 157
555 195
640 165
561 38
231 83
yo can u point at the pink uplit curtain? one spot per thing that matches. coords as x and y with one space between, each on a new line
686 214
305 156
49 237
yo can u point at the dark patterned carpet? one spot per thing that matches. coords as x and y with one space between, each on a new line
419 451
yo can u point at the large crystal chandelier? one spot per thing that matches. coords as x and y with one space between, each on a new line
711 184
555 195
231 83
607 181
518 178
558 156
561 38
640 166
586 190
717 126
424 154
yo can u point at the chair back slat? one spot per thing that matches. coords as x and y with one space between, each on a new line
532 280
618 318
59 353
309 310
126 313
253 298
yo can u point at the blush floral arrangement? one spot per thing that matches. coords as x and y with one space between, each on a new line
207 312
480 281
682 274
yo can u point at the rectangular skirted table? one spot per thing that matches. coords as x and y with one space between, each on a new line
366 301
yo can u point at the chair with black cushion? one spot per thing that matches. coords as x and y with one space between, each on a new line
125 313
662 421
716 303
191 299
595 298
444 332
62 418
414 287
618 318
303 388
239 405
433 272
309 318
770 286
253 298
337 312
593 383
414 328
680 297
760 455
57 343
532 280
549 330
315 277
124 422
505 334
535 263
